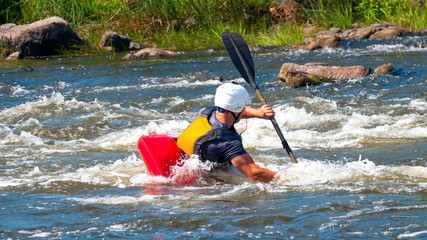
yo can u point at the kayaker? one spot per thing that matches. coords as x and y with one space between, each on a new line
213 137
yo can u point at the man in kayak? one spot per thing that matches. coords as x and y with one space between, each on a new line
213 137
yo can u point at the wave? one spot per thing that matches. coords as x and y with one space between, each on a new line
336 128
308 176
316 123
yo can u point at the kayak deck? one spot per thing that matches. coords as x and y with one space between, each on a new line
160 153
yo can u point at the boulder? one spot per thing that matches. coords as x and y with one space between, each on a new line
14 56
329 33
321 41
383 26
361 33
384 69
296 79
134 46
42 38
331 38
379 31
306 47
344 34
150 53
386 34
5 27
380 26
295 75
329 41
111 41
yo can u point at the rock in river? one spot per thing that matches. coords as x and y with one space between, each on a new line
42 38
295 75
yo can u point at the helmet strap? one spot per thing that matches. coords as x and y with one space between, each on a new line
246 126
236 118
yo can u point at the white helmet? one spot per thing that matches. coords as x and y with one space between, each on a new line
231 97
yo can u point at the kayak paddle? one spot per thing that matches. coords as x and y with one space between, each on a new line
241 57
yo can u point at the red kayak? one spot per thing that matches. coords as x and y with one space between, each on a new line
160 153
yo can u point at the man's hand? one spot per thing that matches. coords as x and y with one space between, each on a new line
266 112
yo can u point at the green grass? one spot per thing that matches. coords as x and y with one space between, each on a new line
75 12
327 14
282 35
415 18
197 24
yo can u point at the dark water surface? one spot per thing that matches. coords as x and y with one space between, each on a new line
70 166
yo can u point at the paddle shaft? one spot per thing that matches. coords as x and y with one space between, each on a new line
248 69
244 64
276 126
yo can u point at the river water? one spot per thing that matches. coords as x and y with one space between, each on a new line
69 165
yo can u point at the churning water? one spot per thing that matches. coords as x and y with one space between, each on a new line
69 166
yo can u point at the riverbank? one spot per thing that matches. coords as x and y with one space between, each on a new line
188 26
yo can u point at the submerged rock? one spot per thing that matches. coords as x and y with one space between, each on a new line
295 75
384 69
42 38
150 53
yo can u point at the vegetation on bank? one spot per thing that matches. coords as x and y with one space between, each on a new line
197 24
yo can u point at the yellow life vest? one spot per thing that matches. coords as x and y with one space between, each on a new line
192 133
200 131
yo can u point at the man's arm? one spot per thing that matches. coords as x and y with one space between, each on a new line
246 165
265 112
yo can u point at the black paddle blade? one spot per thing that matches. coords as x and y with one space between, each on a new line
240 55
